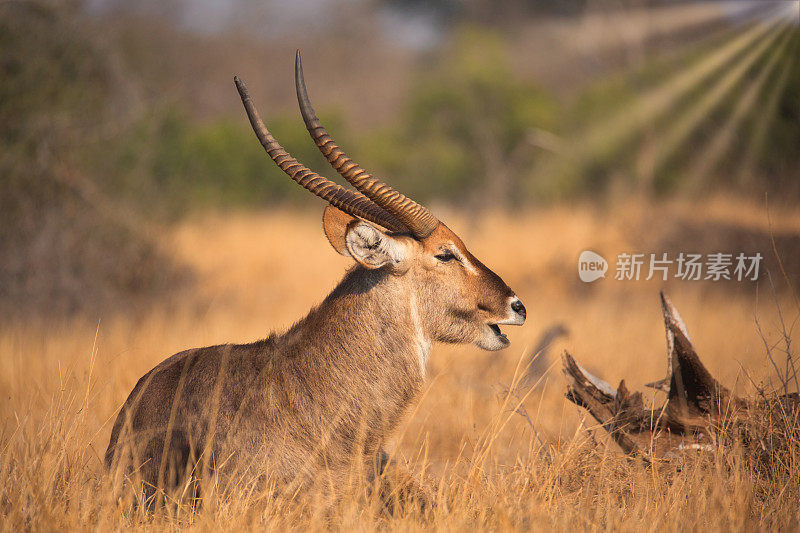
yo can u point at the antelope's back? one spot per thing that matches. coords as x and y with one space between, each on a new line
187 387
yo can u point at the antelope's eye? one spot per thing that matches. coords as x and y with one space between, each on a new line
445 256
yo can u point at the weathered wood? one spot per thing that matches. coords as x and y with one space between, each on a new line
696 409
597 397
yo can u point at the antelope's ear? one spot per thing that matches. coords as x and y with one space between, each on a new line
373 248
334 224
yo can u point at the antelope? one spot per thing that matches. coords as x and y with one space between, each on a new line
334 386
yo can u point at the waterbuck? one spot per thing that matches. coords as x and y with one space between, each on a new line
303 405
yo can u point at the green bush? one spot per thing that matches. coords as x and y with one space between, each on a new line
171 165
465 132
64 247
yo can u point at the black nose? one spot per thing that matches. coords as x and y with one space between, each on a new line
518 308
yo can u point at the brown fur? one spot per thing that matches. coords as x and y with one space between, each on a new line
306 405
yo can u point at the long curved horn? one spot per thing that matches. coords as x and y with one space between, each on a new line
351 202
417 218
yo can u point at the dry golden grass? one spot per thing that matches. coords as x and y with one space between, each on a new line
492 467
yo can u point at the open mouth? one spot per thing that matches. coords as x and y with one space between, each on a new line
496 330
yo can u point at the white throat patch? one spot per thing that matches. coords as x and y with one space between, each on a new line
423 345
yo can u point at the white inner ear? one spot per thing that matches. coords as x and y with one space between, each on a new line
373 248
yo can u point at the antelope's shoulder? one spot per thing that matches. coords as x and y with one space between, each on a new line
205 364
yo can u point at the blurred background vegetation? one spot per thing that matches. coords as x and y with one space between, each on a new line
117 118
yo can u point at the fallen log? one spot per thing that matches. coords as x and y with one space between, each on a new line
698 409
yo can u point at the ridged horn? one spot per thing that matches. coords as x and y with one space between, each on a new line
417 218
351 202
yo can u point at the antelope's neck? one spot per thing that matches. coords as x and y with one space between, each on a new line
421 341
367 341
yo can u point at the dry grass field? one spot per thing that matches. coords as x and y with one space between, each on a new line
499 460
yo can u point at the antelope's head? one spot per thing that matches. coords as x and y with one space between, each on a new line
458 298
